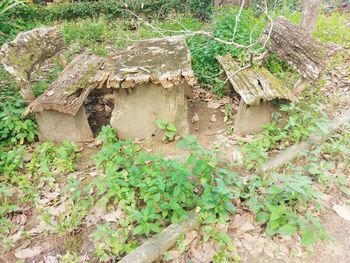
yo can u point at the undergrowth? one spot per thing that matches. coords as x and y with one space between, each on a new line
155 191
23 172
294 124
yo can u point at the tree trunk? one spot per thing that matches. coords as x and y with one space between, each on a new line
310 11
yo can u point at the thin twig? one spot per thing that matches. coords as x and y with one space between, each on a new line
263 37
236 72
237 20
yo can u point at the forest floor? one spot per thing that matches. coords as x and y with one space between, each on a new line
249 238
54 221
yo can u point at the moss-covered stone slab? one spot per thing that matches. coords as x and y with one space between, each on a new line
164 61
254 85
68 92
22 56
296 46
29 49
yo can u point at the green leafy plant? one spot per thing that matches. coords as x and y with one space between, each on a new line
14 130
202 9
19 180
303 119
169 128
70 257
49 159
7 5
155 191
228 112
71 221
282 203
204 51
110 242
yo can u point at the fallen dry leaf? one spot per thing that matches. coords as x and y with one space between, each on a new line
213 118
94 216
203 253
114 216
225 100
20 219
195 118
174 254
190 236
236 156
242 224
18 235
28 252
50 93
342 211
51 259
40 228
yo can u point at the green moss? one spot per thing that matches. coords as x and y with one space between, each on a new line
72 243
92 68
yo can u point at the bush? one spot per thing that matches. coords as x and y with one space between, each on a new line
201 9
204 50
109 8
14 130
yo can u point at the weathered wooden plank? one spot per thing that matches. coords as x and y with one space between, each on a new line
296 46
254 84
68 92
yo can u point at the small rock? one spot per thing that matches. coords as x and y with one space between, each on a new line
195 118
28 252
213 105
51 259
236 156
27 157
213 118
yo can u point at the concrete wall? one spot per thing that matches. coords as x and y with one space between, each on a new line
137 109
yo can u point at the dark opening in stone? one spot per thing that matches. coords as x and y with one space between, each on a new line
99 106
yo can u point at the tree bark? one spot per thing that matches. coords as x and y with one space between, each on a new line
310 11
294 45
